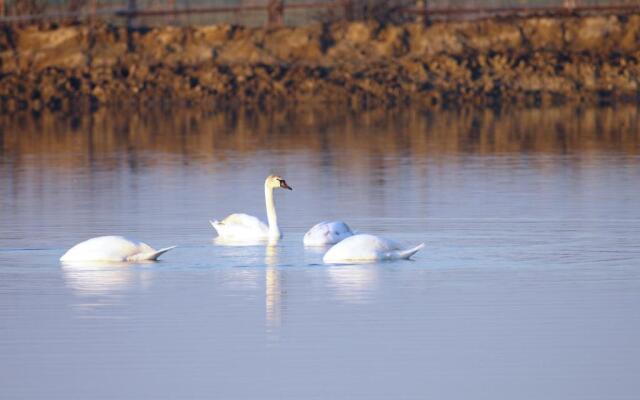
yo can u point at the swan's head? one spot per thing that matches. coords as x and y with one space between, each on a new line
275 181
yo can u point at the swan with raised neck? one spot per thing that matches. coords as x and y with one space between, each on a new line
246 227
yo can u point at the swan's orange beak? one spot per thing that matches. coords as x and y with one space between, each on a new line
283 185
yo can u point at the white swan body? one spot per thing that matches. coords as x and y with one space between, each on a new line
367 248
241 226
113 249
324 233
248 227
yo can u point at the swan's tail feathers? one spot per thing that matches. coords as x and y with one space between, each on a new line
150 256
216 225
409 252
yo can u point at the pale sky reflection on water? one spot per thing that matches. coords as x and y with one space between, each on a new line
528 288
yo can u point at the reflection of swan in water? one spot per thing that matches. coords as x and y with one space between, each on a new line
272 287
353 283
273 291
246 255
235 242
99 278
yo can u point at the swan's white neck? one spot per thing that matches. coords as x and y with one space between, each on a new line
272 218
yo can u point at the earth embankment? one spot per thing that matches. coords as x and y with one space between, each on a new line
517 60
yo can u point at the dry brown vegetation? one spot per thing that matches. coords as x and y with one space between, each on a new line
537 60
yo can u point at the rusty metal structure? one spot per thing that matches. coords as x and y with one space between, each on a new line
280 12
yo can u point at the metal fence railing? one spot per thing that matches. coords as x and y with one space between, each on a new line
280 12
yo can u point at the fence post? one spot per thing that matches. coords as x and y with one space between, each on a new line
424 16
347 6
275 13
131 12
172 7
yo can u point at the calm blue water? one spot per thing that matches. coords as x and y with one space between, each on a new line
528 288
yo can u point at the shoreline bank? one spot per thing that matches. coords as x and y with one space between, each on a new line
529 61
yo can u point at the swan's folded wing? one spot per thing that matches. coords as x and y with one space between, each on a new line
244 220
241 226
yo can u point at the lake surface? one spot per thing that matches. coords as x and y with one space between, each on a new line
528 288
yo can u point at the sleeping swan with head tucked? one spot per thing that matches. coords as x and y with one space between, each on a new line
327 233
247 227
